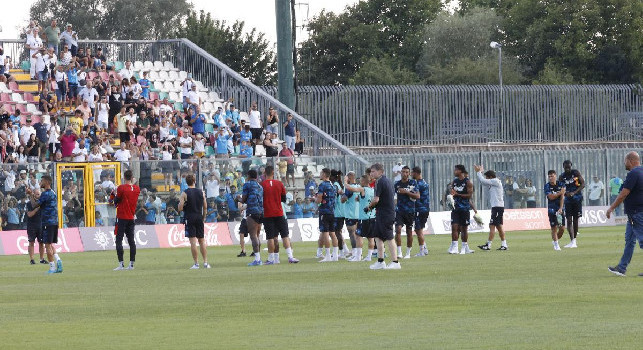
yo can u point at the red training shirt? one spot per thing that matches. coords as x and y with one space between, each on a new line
128 197
272 192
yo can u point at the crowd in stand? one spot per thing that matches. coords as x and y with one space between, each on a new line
93 113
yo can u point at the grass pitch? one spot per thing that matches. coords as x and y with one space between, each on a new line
528 297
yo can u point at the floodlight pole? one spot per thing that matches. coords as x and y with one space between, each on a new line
495 45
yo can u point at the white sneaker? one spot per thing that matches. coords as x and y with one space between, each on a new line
378 266
319 256
367 258
419 254
206 266
466 250
571 244
453 249
394 266
119 268
130 268
355 259
556 247
334 258
194 267
325 259
407 256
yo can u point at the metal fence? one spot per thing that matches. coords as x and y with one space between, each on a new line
360 116
162 181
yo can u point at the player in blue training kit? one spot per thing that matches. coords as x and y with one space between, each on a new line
48 206
574 184
350 200
422 207
339 246
555 193
325 198
461 190
405 188
252 197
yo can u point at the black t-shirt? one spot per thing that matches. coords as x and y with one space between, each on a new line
193 207
34 221
115 104
386 205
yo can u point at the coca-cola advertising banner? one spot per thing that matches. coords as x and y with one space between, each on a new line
17 242
293 232
172 236
102 238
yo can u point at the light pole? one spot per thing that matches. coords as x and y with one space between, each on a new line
495 45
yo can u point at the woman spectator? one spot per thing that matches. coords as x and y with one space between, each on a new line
32 150
299 143
125 88
136 88
21 156
13 215
103 113
95 155
271 149
61 87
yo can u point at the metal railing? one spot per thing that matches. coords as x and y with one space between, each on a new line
416 115
213 74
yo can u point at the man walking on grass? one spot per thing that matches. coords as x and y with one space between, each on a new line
632 195
384 203
48 206
194 207
497 204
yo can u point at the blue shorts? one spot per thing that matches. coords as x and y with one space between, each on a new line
326 223
43 76
365 228
420 220
61 92
73 90
50 234
351 222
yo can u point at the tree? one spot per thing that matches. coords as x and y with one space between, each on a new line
115 19
249 54
383 72
456 50
340 44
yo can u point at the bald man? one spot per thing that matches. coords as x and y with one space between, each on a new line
632 195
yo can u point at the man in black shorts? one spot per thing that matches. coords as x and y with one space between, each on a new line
34 229
384 201
194 207
243 233
274 221
574 185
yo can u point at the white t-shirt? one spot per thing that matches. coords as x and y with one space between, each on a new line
396 168
187 87
212 188
54 133
595 190
199 145
89 95
25 133
103 113
193 97
166 155
126 73
164 132
95 157
254 119
9 181
68 38
122 155
185 140
35 43
82 153
60 76
137 90
41 62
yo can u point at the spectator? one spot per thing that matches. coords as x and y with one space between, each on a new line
289 156
222 138
26 132
135 87
127 72
80 152
199 146
42 138
272 122
185 142
186 85
269 146
77 121
32 149
299 142
530 194
509 192
99 60
198 123
70 38
211 215
615 184
90 95
123 154
145 86
233 203
289 130
65 57
297 209
34 45
41 70
193 98
596 191
72 81
62 85
52 35
53 135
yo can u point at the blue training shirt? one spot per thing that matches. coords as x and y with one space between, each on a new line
422 204
460 186
404 202
48 208
572 183
254 197
327 190
553 205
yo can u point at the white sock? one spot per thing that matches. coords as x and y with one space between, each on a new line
504 243
345 247
276 257
56 257
271 257
319 251
257 256
120 263
358 253
399 251
465 244
370 252
354 251
554 243
327 253
489 243
454 244
408 251
574 240
335 251
289 252
52 265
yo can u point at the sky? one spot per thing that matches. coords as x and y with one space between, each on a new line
256 13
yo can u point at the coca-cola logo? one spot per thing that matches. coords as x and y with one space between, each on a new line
176 236
22 243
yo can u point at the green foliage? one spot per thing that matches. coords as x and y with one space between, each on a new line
383 72
249 54
554 75
519 299
340 44
114 19
456 50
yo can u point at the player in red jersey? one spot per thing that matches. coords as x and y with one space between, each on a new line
274 221
125 201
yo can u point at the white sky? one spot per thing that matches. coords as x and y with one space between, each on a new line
256 13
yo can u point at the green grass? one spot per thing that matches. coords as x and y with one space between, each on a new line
528 297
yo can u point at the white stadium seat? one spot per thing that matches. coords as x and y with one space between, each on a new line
4 88
148 65
154 76
16 97
169 66
207 107
168 86
174 96
138 66
177 86
158 66
183 74
163 75
214 97
203 96
31 108
174 75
